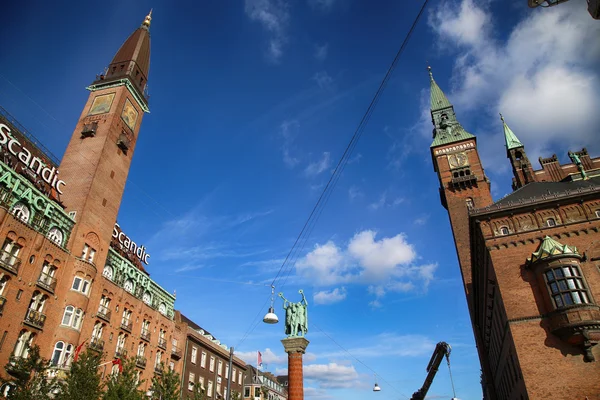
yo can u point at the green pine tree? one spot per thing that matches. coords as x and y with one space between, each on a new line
124 386
165 386
83 381
30 378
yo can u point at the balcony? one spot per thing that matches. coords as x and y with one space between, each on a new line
175 352
103 313
9 262
35 319
97 344
120 353
162 343
140 361
47 282
2 303
158 370
145 335
126 325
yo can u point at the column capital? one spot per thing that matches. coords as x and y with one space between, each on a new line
295 345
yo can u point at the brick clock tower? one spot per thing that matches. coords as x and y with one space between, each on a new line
97 160
463 184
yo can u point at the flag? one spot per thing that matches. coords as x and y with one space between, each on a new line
78 350
117 361
259 359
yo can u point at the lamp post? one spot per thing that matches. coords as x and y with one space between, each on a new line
228 397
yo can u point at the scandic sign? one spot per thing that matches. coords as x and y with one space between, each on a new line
49 175
129 244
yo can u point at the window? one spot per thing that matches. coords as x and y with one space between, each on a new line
551 222
220 367
47 275
147 298
218 388
232 375
247 391
57 355
3 284
240 377
158 359
97 331
21 212
201 381
104 305
128 285
194 355
80 285
566 286
55 235
114 371
38 300
256 392
503 230
72 317
88 253
212 364
209 389
121 342
203 360
23 344
597 213
226 371
145 328
470 203
108 272
191 379
141 349
126 317
10 252
61 356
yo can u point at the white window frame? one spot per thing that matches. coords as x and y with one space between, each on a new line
55 235
211 364
194 355
108 272
191 379
21 212
203 360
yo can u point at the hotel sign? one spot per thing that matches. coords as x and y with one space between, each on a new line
23 154
130 245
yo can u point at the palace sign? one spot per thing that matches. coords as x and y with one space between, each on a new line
125 241
49 175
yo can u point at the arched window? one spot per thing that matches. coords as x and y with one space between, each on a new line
3 284
162 308
551 222
57 354
7 389
23 344
503 230
141 349
68 315
470 203
21 211
38 300
128 285
72 317
147 298
108 272
68 358
55 235
97 332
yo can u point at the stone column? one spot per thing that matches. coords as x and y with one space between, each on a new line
295 347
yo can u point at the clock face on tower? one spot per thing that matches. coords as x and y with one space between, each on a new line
458 160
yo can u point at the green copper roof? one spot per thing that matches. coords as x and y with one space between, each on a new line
454 133
512 142
438 98
549 248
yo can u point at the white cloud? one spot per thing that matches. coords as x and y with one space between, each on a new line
422 220
332 375
387 264
542 75
319 166
354 192
389 344
329 297
323 79
274 17
321 51
385 202
269 357
288 130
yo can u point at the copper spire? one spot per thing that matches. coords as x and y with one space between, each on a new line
148 19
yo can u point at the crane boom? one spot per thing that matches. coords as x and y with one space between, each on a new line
442 349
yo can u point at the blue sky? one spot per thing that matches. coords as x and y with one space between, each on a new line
252 104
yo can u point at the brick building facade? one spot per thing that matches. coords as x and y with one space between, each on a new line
68 274
530 263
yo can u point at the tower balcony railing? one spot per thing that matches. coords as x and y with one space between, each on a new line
97 344
104 313
145 335
126 325
140 361
2 303
9 262
35 319
162 343
47 282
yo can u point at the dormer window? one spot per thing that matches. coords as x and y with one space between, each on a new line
503 230
551 222
566 286
597 213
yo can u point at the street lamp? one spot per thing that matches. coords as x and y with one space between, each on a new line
376 388
271 317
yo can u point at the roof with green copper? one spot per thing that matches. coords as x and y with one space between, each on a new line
512 142
438 98
550 248
455 133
